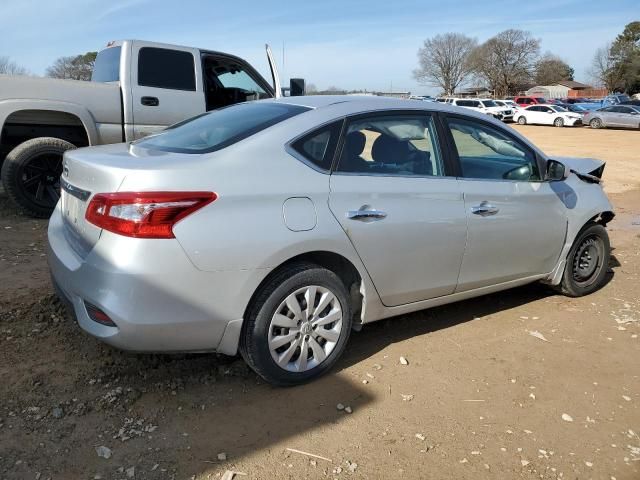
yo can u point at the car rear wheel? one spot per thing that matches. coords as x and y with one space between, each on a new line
31 174
298 325
558 122
587 262
522 120
595 123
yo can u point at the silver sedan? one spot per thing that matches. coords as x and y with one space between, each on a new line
277 227
618 116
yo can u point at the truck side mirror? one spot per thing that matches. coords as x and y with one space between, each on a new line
296 87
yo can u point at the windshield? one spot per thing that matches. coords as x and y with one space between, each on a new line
575 108
107 66
219 129
489 103
623 98
558 108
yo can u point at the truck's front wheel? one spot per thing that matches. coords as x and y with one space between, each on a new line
31 174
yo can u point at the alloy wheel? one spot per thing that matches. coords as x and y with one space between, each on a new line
305 328
41 179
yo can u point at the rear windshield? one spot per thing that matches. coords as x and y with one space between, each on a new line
107 66
220 128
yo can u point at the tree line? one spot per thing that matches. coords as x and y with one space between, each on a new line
511 61
75 67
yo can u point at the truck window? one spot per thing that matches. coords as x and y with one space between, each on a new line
107 66
228 80
164 68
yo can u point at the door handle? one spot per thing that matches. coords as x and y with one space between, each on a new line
366 215
485 209
150 101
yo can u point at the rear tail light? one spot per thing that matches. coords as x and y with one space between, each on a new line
144 214
98 315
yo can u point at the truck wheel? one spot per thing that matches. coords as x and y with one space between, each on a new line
31 174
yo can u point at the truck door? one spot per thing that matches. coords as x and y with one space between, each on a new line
166 87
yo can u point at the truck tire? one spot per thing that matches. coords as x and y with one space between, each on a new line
31 174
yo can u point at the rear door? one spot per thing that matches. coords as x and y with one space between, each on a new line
403 214
516 222
166 87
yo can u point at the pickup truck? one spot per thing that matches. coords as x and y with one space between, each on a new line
137 88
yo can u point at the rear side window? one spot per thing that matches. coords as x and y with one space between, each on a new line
164 68
218 129
107 66
463 103
318 147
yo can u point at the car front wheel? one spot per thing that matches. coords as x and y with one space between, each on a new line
587 262
558 122
298 325
522 120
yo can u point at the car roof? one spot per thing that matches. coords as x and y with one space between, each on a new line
361 102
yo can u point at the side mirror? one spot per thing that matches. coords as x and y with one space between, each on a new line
556 171
296 87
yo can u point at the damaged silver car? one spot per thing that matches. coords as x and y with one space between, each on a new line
277 227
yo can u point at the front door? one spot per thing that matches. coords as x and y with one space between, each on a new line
516 222
404 217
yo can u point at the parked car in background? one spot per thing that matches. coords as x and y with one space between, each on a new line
260 227
137 88
424 98
486 106
509 104
548 115
525 101
618 116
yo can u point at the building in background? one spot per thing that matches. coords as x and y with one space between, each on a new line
566 89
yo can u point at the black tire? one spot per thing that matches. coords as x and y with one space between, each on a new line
31 174
558 122
587 262
595 123
522 120
254 345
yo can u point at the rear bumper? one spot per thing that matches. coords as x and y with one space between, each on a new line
158 299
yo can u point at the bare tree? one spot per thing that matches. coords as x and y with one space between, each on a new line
79 67
8 67
444 61
551 69
601 67
506 62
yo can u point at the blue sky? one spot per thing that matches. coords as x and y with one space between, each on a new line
350 44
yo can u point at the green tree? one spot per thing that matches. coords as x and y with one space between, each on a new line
625 59
77 67
551 69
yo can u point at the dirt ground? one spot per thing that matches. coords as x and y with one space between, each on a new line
481 396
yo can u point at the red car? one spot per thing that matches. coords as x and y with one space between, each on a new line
528 100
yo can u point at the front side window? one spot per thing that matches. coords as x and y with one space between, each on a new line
165 68
218 129
487 153
402 145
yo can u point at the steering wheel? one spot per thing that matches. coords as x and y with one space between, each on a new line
523 172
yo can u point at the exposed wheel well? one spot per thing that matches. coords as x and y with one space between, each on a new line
602 218
24 125
334 262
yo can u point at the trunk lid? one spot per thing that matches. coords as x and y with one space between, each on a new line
88 171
